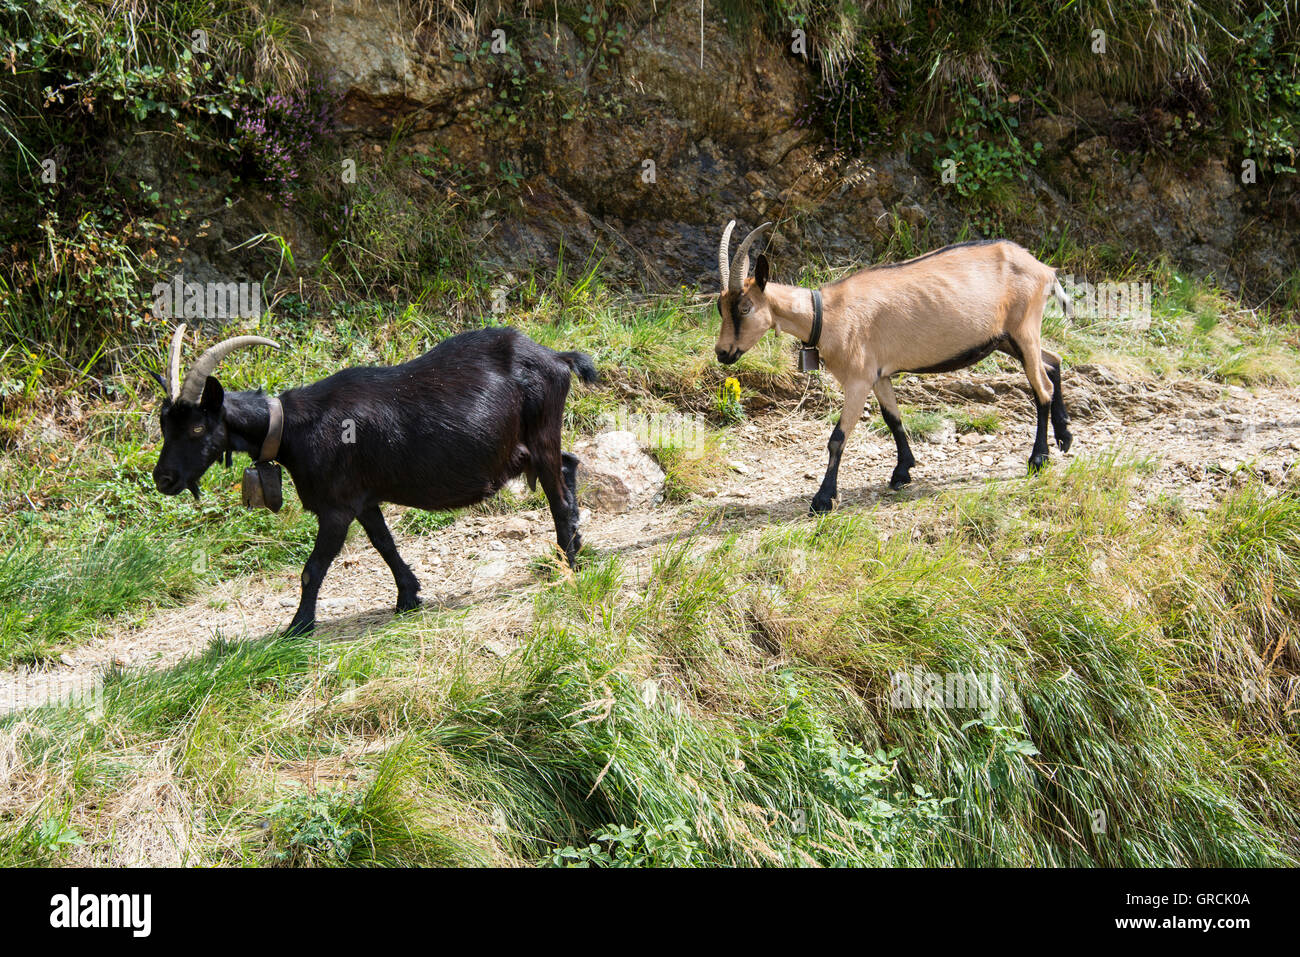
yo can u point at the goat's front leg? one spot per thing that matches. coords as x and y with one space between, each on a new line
855 400
884 390
330 535
569 469
372 520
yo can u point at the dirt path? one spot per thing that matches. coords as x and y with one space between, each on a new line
1198 432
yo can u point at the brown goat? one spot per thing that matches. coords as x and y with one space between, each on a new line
939 312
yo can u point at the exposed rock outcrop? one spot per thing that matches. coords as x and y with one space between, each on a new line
724 142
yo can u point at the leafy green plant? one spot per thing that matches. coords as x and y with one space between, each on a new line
983 148
321 827
54 835
1269 68
671 845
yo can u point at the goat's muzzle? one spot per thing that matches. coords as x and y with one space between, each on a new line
727 356
170 483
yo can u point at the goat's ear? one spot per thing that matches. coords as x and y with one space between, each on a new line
760 271
213 395
161 381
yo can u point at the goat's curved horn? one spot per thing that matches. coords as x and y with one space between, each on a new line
174 364
192 387
740 265
724 271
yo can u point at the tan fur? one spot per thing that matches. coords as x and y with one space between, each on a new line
908 317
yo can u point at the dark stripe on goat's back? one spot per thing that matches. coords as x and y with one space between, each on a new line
940 252
972 355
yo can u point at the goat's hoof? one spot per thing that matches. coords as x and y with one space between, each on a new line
300 629
573 551
1037 463
1063 441
821 504
409 603
898 481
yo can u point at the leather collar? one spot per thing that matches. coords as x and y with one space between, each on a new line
816 334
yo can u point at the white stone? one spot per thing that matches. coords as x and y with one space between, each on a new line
515 529
490 572
614 475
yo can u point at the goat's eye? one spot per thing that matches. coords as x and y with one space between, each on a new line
745 308
196 430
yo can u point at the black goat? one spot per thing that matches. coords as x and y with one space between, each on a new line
442 431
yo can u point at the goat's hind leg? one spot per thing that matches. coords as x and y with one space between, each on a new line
1027 350
558 473
408 586
884 390
569 472
564 512
1060 418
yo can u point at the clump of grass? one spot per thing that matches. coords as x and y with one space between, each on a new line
690 468
921 424
661 347
1196 330
509 500
51 595
390 821
421 522
984 422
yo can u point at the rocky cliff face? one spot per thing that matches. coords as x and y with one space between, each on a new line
724 142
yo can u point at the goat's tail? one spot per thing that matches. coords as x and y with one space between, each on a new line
581 363
1066 306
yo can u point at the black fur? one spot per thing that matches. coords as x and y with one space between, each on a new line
1038 455
903 469
445 430
824 500
1060 418
971 356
